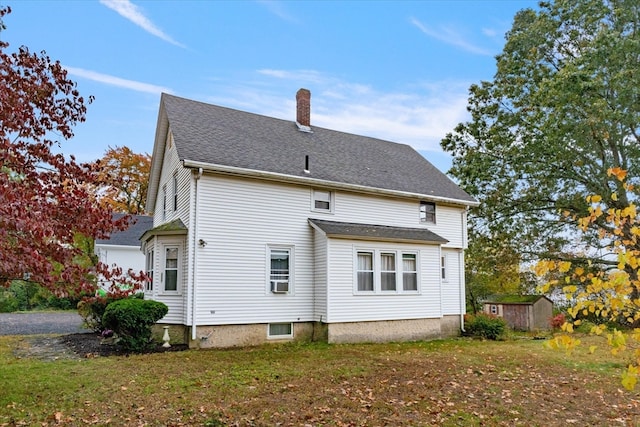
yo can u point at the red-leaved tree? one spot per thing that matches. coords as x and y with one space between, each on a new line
46 205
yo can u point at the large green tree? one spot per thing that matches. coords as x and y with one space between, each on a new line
562 109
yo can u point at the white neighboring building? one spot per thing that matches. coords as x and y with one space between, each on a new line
123 247
268 229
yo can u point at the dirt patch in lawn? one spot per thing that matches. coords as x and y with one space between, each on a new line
92 345
79 346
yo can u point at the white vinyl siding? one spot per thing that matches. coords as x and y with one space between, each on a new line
451 286
172 174
367 209
347 305
321 291
174 300
233 267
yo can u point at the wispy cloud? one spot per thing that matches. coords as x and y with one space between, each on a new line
117 81
133 13
419 115
450 36
277 8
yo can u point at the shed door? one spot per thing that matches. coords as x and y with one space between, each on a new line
516 316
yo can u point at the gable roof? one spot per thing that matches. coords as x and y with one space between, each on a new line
131 236
227 140
375 232
173 228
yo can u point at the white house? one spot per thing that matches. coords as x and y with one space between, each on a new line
268 229
122 248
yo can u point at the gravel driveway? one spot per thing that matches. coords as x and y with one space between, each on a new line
31 323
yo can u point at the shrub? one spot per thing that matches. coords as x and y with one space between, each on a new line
131 319
484 325
8 301
557 321
92 309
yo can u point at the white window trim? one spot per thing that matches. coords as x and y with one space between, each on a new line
356 271
279 337
292 258
163 262
313 201
435 212
149 257
377 278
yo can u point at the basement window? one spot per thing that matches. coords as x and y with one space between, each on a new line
280 330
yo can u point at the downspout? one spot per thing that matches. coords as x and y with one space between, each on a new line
194 320
463 305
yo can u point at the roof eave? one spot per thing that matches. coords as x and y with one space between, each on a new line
275 176
157 157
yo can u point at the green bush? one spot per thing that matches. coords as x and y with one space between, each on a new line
484 326
92 309
8 301
131 319
22 295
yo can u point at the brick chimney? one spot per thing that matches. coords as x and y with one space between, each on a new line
303 108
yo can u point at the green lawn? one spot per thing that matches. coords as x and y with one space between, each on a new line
451 382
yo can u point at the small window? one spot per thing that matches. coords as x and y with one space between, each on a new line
428 212
409 272
322 201
280 330
365 271
279 273
164 202
494 309
149 283
175 192
443 268
388 271
171 269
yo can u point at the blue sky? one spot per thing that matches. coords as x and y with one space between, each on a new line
397 70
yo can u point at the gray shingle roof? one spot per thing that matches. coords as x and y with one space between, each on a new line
131 236
222 136
376 232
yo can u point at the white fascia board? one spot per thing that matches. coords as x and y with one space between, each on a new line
274 176
108 246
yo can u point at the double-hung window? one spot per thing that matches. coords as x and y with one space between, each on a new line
149 264
428 212
171 269
386 271
280 269
409 272
365 271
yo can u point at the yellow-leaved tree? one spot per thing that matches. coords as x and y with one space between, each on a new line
610 295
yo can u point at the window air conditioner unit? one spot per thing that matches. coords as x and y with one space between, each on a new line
279 286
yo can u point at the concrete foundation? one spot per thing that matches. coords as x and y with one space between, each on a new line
392 330
224 336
